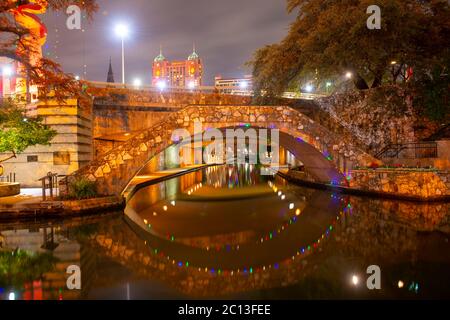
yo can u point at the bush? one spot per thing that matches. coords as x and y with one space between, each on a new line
433 92
82 189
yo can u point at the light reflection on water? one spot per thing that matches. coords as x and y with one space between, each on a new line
230 232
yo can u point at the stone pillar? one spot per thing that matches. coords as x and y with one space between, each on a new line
70 150
443 149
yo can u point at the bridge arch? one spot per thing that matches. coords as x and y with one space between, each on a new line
115 170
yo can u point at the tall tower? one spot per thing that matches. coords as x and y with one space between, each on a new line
159 69
181 74
194 70
110 78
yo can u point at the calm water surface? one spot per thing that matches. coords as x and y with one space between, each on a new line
228 232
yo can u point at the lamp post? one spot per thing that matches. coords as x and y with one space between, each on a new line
137 83
122 32
7 71
5 80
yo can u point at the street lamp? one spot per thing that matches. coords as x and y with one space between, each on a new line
137 82
309 88
7 71
243 85
355 280
328 85
191 85
122 31
161 85
349 75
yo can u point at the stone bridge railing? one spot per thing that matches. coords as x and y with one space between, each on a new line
115 170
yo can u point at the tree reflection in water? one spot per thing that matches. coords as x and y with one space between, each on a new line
18 267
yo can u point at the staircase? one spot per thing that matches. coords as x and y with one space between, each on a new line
442 134
418 150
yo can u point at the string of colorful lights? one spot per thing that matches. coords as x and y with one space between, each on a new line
301 252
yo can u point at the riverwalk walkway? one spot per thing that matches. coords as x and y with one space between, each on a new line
29 203
159 176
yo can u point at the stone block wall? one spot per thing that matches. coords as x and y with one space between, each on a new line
402 182
113 171
112 119
9 189
69 151
375 122
168 98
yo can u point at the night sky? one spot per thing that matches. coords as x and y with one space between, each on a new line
226 33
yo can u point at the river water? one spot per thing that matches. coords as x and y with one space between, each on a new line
229 232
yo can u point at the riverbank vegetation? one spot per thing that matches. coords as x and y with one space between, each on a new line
330 48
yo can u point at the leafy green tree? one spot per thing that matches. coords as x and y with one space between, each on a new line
330 38
18 132
432 97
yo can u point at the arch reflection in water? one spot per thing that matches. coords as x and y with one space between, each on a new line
225 232
230 219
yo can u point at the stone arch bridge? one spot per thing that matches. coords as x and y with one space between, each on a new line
325 155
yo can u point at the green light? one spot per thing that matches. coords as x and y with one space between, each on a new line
187 264
251 270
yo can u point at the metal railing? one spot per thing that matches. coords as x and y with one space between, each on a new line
11 177
199 89
415 150
52 183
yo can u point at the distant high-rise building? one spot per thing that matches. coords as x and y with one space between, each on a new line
181 74
236 86
110 78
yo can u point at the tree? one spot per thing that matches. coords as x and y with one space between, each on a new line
14 44
432 96
19 44
18 132
331 38
18 267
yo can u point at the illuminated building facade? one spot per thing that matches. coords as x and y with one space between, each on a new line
7 77
180 74
235 86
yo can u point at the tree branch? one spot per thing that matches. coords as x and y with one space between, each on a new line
13 156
